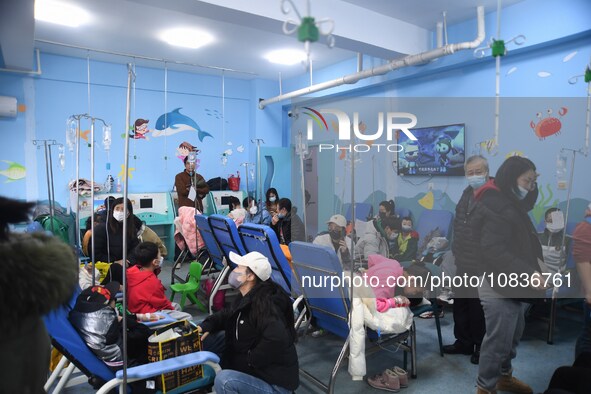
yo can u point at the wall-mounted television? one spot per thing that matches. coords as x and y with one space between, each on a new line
438 150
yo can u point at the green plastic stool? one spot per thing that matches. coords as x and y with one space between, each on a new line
189 289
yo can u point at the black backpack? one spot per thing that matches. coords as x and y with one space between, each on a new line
218 183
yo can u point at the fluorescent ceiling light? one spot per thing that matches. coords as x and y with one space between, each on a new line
287 57
60 13
186 38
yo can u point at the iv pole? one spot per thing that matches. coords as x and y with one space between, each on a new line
584 151
301 151
259 191
49 173
130 78
78 119
246 164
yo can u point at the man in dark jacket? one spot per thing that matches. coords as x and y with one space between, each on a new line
469 325
287 224
190 187
260 353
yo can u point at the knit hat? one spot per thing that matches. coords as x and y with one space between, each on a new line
100 294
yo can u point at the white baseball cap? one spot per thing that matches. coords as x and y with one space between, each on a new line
257 263
339 220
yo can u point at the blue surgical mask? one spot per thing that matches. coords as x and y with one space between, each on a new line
392 236
280 215
233 279
476 181
406 229
521 192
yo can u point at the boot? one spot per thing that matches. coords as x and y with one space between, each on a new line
513 385
483 391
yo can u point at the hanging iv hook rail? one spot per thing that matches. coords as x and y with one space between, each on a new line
154 59
410 60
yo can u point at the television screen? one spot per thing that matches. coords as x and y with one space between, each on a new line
438 150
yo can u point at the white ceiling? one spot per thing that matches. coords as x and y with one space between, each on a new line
244 31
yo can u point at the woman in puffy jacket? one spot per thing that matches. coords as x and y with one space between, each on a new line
259 354
509 248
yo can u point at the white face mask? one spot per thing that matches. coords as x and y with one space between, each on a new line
554 228
160 260
253 210
119 216
272 199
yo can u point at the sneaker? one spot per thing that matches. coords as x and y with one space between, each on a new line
400 373
513 385
318 333
446 296
431 315
385 381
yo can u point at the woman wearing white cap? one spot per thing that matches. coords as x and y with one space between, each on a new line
260 354
337 239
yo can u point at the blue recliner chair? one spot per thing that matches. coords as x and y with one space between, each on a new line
215 254
262 239
330 309
66 339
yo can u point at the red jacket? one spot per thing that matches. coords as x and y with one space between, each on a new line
145 292
582 241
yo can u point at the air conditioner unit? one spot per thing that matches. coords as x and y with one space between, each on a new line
8 107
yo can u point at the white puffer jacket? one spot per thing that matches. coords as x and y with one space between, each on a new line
364 314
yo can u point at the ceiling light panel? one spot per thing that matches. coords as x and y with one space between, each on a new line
60 13
186 37
287 57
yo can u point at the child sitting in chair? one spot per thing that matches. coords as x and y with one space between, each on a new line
145 290
97 322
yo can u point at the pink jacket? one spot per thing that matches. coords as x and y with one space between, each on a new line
186 233
383 268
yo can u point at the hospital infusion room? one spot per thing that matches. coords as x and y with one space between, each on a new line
295 196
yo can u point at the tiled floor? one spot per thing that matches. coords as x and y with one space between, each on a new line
452 374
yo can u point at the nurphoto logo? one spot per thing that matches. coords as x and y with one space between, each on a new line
390 122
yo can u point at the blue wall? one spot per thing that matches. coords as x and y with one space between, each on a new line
560 52
62 90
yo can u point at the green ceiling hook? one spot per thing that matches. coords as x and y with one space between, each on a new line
498 48
588 74
308 31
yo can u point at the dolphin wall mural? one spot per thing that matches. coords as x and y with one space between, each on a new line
174 122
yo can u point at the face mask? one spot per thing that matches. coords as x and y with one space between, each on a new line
392 236
119 216
233 279
476 181
554 228
382 215
335 234
406 229
280 215
521 192
272 199
253 210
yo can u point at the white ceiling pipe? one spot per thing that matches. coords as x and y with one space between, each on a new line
410 60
